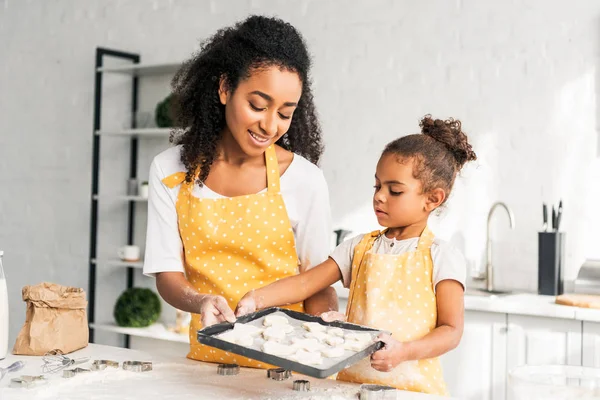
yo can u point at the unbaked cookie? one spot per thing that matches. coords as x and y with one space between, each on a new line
334 340
273 320
277 349
308 357
275 332
336 332
333 352
314 327
245 329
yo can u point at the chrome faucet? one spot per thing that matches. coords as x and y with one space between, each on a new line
489 274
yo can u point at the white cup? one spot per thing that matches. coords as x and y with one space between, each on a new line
143 191
129 253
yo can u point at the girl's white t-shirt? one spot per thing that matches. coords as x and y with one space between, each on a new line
448 261
305 194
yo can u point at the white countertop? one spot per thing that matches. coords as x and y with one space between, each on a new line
171 378
529 304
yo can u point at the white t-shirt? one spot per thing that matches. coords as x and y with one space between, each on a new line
305 194
448 262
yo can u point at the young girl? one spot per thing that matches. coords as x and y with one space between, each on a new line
402 280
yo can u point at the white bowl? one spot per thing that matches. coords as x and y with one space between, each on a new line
554 382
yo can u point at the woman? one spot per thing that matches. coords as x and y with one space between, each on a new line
239 203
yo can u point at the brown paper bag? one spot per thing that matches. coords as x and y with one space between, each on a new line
56 319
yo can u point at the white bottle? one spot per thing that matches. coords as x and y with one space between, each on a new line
3 312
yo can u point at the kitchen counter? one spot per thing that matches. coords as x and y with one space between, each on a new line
527 304
176 378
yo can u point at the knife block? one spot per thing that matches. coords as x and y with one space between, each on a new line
551 263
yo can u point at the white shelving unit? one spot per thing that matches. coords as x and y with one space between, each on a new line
129 65
154 331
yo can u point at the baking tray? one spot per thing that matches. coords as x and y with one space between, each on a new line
207 337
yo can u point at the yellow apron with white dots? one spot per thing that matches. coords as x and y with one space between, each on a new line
232 245
395 293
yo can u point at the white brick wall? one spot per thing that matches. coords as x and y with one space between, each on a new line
522 75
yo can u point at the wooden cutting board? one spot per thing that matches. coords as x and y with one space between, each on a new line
579 300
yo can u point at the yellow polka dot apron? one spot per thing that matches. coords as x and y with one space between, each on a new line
395 293
232 245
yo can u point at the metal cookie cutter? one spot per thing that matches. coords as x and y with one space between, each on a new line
377 392
27 381
137 366
278 374
101 365
69 373
301 386
228 369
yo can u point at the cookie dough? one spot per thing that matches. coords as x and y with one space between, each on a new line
311 345
314 327
276 333
237 338
336 332
358 337
334 340
333 352
308 357
320 336
275 320
245 329
277 349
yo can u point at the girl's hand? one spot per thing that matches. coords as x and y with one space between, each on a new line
331 316
392 354
246 305
214 309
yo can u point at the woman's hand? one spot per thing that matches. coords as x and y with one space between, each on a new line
392 354
214 309
331 316
246 305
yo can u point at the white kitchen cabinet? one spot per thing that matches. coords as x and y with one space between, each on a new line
539 340
591 344
476 369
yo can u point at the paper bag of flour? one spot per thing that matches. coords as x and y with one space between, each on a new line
56 319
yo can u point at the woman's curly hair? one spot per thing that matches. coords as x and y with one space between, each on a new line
233 54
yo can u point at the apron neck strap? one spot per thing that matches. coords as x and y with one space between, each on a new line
425 240
272 170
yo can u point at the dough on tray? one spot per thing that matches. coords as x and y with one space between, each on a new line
314 327
334 340
358 337
245 341
336 332
228 336
273 320
278 349
276 333
311 345
237 338
355 345
308 357
246 329
333 352
320 336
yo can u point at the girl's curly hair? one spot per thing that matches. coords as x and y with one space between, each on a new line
439 152
232 54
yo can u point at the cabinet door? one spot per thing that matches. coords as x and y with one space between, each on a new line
476 369
540 340
591 344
